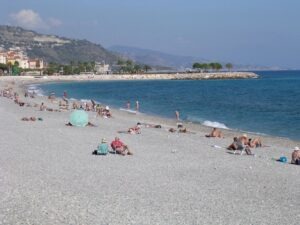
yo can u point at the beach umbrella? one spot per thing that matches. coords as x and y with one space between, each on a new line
79 118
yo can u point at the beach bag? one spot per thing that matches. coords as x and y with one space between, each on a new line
297 162
102 149
282 159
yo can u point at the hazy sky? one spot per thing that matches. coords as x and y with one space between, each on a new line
259 32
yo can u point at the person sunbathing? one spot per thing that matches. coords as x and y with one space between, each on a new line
240 144
234 145
133 130
296 156
184 130
89 124
172 130
120 147
151 125
215 133
255 143
29 118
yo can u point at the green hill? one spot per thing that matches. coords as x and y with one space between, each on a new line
52 48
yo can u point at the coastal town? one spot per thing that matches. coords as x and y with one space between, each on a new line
15 61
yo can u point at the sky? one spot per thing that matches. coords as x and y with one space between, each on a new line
248 32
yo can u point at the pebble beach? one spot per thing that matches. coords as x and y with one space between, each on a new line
48 174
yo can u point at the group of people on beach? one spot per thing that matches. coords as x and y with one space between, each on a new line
137 105
239 143
117 146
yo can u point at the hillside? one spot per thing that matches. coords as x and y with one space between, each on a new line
155 58
53 48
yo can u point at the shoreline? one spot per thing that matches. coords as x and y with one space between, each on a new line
234 131
48 174
167 121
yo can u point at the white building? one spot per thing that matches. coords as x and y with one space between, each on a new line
23 63
102 68
3 58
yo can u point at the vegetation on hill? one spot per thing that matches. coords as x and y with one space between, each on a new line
53 48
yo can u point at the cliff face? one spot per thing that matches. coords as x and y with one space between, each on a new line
52 48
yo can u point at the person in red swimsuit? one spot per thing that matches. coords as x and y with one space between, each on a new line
120 147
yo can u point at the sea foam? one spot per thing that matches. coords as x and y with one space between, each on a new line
214 124
35 89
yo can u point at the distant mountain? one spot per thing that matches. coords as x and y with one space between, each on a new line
155 58
53 48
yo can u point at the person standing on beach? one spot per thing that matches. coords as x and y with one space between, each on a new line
65 94
128 105
137 106
177 115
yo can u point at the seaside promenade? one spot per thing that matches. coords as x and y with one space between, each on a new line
48 174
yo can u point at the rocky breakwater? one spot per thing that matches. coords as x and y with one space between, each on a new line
225 75
179 76
169 76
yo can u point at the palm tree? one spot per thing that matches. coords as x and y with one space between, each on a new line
229 66
136 68
218 66
205 67
146 68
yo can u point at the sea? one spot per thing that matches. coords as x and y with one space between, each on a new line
269 105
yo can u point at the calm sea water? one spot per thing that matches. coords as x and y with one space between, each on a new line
268 105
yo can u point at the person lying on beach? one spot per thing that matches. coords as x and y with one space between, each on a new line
31 119
254 143
172 130
181 130
89 124
296 156
184 130
120 147
133 130
151 125
215 133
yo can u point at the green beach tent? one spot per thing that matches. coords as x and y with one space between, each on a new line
79 118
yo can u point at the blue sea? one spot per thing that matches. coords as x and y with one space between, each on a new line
267 105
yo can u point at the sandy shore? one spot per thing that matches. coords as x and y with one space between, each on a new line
49 176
